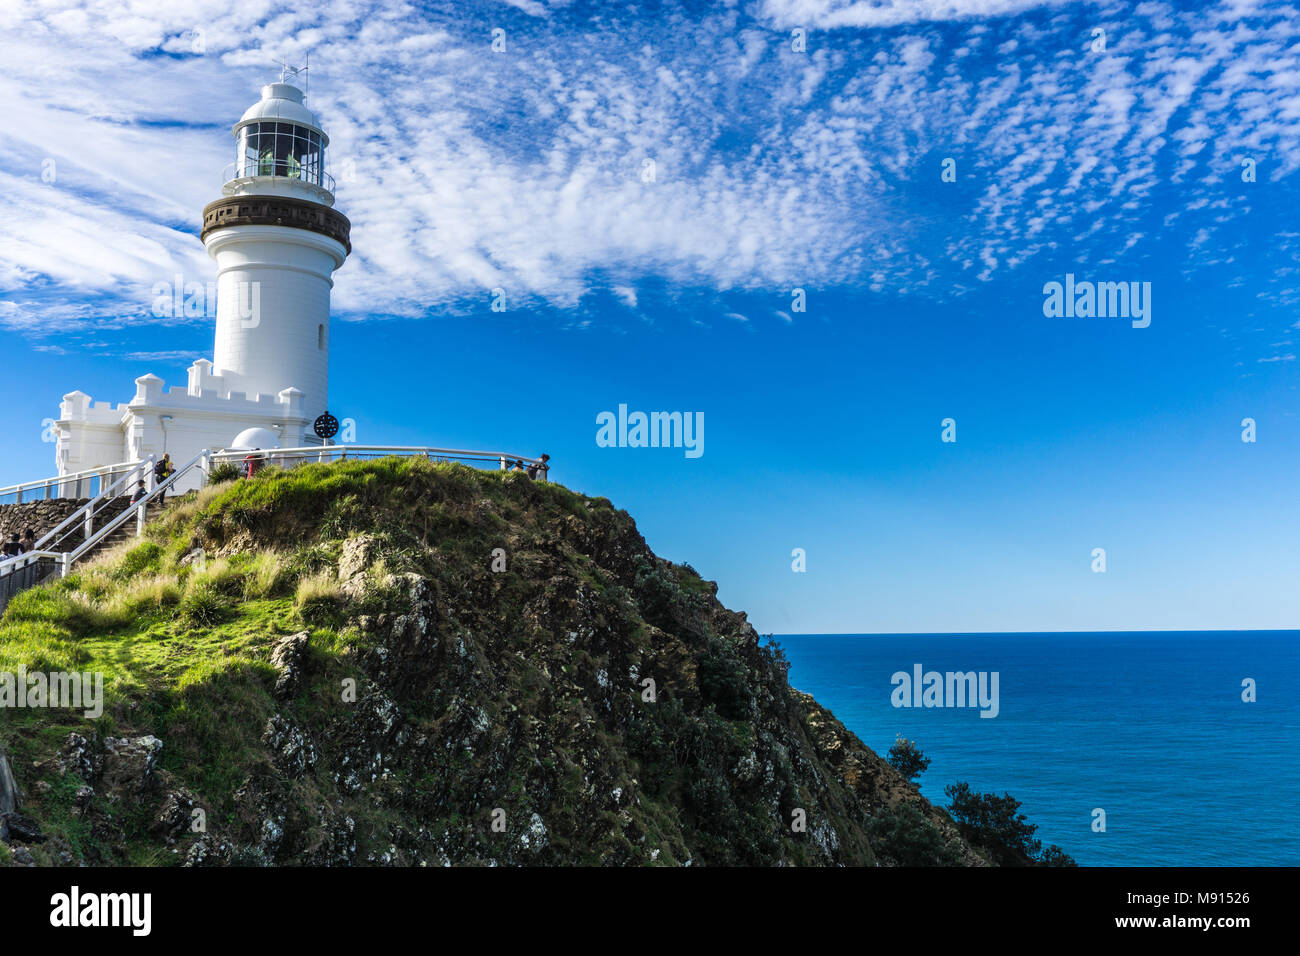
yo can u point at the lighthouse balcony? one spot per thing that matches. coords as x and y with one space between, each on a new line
277 179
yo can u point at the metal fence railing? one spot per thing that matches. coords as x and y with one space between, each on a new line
83 519
326 454
79 484
26 571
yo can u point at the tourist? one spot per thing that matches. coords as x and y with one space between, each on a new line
11 548
140 492
28 541
252 463
539 468
519 465
161 472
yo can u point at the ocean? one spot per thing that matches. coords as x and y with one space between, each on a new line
1149 727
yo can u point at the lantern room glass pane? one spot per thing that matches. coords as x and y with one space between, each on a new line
280 149
245 151
283 150
310 158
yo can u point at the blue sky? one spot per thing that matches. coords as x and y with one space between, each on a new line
465 170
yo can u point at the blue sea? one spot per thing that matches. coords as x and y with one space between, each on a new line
1148 726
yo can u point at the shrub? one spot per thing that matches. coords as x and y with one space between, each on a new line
996 825
658 593
904 836
226 471
724 681
203 605
1055 856
143 557
906 757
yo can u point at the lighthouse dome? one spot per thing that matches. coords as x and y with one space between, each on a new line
282 103
251 438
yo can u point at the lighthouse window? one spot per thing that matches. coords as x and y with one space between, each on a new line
286 163
320 337
280 149
247 150
311 157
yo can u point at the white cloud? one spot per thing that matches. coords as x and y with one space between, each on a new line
829 14
527 170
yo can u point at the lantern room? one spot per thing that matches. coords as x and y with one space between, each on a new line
279 143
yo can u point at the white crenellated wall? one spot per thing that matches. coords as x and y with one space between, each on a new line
89 434
180 421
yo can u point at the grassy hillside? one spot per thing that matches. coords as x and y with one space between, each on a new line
471 688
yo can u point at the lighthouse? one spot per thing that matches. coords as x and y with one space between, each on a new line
276 240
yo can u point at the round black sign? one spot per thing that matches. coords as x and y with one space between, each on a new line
327 426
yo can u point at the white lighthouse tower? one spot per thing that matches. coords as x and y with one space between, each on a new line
277 240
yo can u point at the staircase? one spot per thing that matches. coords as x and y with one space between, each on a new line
123 532
43 517
107 519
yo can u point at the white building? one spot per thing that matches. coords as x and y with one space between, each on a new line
277 240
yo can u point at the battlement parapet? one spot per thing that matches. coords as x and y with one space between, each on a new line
205 391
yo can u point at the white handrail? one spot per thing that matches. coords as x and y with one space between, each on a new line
342 451
86 512
10 565
72 478
241 170
139 508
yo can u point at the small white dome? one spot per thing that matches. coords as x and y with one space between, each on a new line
282 103
251 438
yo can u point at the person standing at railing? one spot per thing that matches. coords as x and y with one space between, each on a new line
11 548
161 472
28 541
252 463
539 468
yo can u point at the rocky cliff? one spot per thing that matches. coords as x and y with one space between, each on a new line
404 663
